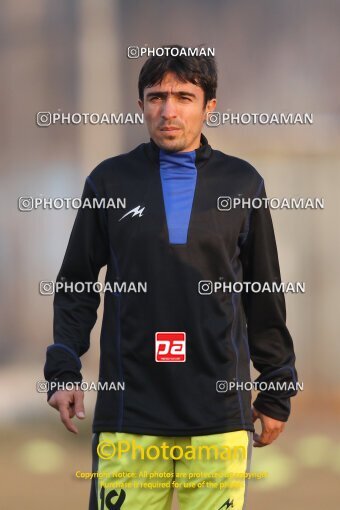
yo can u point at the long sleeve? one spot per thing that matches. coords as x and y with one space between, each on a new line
75 313
270 343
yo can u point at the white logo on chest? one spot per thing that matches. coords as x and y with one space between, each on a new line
137 211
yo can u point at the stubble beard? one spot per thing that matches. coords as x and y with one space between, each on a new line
170 144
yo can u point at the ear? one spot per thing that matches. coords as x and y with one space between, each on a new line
141 105
210 106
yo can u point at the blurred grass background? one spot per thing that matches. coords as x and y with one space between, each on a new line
272 57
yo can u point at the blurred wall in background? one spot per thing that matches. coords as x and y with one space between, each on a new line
71 57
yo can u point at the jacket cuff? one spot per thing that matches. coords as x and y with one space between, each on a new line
57 383
62 365
278 409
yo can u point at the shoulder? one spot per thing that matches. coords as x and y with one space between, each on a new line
116 169
114 163
239 170
240 164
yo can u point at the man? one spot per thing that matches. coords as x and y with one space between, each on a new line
178 344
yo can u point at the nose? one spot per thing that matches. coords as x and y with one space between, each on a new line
169 109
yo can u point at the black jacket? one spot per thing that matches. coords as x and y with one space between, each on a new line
223 330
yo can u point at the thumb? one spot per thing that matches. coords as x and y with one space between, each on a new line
79 404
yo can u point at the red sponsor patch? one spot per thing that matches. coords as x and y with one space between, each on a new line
170 346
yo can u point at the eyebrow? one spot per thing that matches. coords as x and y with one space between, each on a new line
166 94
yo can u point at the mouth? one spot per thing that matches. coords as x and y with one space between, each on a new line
169 128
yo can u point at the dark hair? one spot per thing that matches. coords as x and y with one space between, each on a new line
199 70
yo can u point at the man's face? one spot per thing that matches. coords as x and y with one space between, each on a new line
174 113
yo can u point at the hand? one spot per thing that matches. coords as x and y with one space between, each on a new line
271 429
69 404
